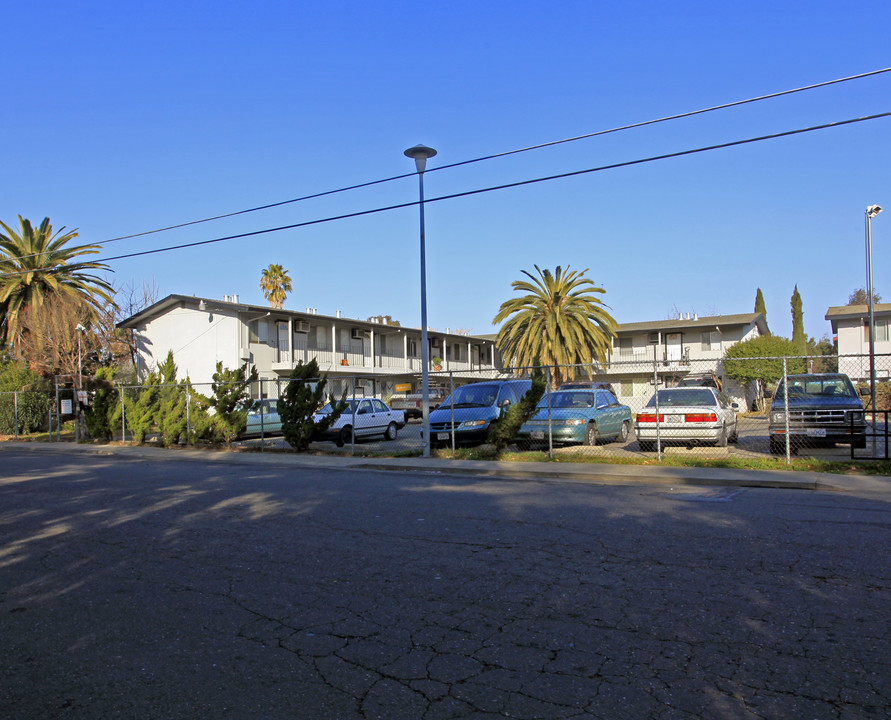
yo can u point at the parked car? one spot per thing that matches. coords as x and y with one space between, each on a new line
824 409
577 416
411 403
587 385
470 409
365 417
264 419
706 380
687 415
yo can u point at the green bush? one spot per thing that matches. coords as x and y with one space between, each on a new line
33 412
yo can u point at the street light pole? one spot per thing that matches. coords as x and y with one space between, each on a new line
871 212
420 153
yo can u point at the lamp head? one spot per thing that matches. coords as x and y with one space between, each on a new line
420 153
81 328
873 210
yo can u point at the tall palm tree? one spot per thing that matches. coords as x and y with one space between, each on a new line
559 322
36 264
275 285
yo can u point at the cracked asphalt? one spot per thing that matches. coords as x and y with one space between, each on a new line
158 587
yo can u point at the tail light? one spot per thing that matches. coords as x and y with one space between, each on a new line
701 417
649 417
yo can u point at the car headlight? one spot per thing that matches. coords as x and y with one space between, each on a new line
571 421
854 416
474 423
778 418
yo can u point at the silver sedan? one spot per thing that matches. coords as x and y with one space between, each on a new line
687 415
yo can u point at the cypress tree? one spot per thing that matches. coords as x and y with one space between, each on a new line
799 339
760 307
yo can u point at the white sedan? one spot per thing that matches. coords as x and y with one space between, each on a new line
365 416
687 415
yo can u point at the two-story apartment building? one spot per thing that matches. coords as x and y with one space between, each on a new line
665 351
377 353
850 325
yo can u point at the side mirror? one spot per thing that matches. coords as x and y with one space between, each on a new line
735 406
504 403
863 391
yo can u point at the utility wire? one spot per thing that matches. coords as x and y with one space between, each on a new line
503 154
505 186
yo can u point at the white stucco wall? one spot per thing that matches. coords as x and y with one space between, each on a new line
198 340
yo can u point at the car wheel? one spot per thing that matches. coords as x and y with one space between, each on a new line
734 438
777 447
646 445
591 434
624 432
860 443
391 431
345 437
722 440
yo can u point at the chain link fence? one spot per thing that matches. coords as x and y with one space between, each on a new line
702 409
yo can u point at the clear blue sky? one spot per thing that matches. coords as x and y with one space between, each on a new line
124 117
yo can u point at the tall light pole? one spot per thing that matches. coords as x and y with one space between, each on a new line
871 212
420 153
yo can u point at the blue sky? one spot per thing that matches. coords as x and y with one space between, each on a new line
124 117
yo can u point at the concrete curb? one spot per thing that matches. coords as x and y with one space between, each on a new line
594 473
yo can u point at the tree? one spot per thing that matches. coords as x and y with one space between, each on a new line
503 431
760 360
860 297
559 322
798 336
275 285
304 396
760 307
36 264
230 401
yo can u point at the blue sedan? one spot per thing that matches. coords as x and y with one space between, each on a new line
577 416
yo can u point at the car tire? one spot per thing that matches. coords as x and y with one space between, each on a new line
345 437
591 434
722 440
391 432
624 432
734 438
860 443
646 445
777 447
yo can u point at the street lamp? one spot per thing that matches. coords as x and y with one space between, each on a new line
871 212
420 153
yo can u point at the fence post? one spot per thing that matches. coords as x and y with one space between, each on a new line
353 433
123 416
58 416
49 422
188 388
550 425
15 403
786 412
452 410
262 415
658 417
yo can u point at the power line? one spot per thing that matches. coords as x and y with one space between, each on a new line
552 143
505 186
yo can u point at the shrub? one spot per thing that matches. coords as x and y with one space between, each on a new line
304 396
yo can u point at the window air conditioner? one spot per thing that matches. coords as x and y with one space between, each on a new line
301 326
357 334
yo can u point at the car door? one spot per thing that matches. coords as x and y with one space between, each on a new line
607 420
364 419
384 415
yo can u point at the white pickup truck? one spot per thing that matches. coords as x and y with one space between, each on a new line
410 403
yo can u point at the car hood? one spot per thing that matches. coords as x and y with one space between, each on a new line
823 403
464 414
562 414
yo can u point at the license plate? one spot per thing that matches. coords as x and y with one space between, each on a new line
816 432
442 436
537 435
673 418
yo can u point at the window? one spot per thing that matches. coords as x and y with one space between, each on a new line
626 346
881 329
710 340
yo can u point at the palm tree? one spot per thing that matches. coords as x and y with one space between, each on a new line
275 285
36 265
559 322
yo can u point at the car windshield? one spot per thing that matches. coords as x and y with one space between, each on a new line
687 396
817 387
480 395
568 400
